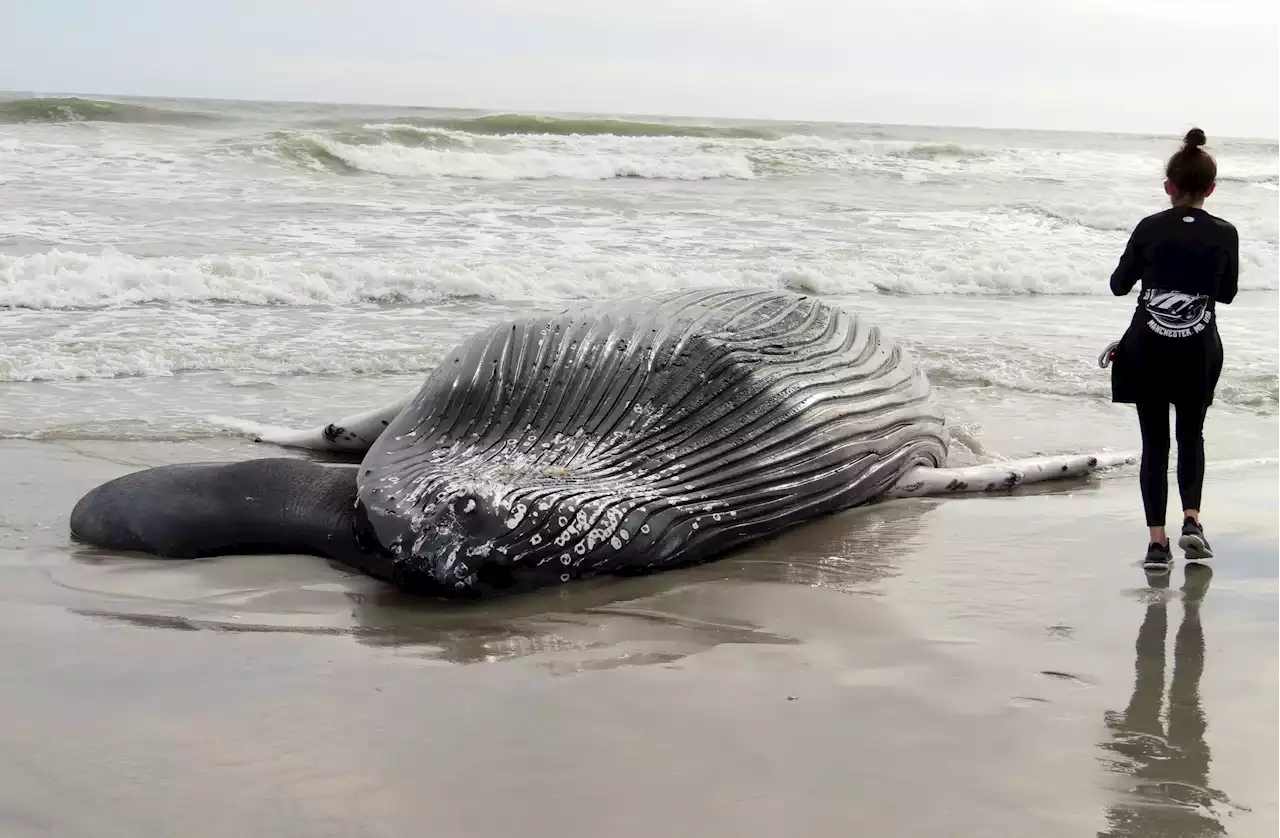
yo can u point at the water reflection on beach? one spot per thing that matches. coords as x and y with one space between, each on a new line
1159 738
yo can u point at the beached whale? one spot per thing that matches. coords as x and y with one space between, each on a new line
626 437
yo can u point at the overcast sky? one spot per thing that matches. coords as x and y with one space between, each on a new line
1122 65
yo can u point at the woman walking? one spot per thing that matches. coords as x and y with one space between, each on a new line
1187 261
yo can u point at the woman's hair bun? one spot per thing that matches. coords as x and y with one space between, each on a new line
1194 139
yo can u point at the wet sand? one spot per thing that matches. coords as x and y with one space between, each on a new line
970 667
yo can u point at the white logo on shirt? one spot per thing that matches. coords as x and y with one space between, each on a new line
1174 314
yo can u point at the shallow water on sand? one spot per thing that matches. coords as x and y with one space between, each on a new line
995 665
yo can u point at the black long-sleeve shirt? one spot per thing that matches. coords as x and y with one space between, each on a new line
1188 261
1184 250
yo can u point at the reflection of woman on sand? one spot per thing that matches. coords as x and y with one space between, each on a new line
1171 795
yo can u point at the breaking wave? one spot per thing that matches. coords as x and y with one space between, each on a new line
401 149
933 151
1269 182
74 109
514 123
429 155
1254 392
58 279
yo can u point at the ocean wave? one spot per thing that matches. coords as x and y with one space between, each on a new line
431 148
74 109
410 135
28 362
1107 218
309 148
933 151
58 279
398 159
122 430
1269 182
291 353
398 149
515 123
1258 234
1257 393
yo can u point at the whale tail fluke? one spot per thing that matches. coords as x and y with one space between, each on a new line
997 476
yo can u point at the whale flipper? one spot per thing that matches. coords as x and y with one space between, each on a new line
988 477
354 434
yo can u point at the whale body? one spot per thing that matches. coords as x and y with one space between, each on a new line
625 437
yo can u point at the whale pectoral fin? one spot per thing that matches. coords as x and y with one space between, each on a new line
355 434
923 480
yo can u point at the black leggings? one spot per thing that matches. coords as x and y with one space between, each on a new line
1153 419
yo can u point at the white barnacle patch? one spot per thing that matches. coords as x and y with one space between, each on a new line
562 520
564 577
517 516
623 534
481 550
565 559
535 540
644 528
580 549
616 543
716 516
471 505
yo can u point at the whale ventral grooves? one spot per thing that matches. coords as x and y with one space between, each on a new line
642 434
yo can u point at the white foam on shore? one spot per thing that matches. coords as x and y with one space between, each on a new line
59 279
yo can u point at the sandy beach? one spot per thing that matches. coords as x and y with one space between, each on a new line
970 667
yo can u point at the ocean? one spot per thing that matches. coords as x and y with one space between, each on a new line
166 265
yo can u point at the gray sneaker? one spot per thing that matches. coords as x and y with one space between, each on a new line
1158 558
1193 543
